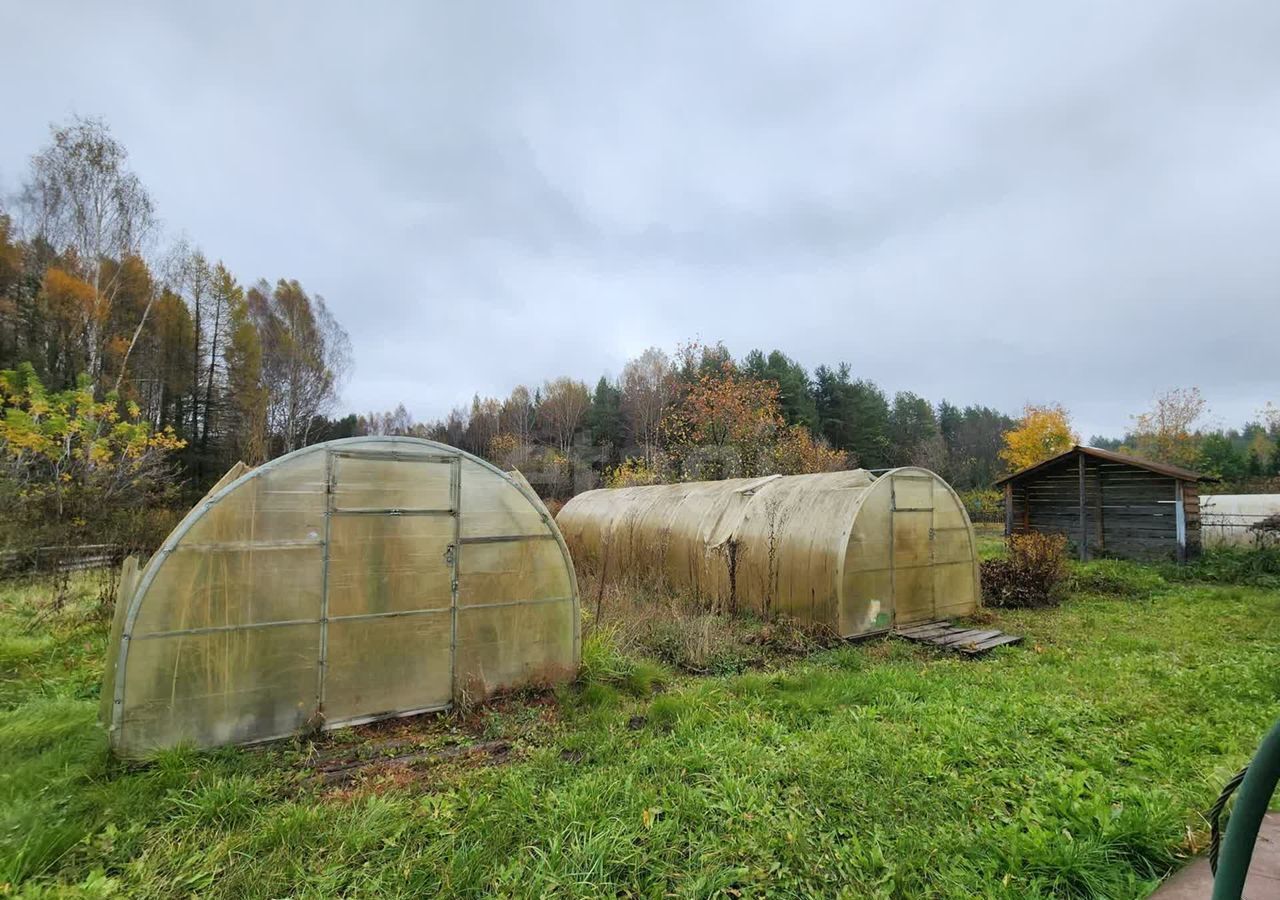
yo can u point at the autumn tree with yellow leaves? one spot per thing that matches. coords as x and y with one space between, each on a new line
1042 433
1167 432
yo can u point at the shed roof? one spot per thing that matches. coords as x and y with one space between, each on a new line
1111 456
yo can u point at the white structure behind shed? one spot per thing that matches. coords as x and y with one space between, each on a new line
1228 520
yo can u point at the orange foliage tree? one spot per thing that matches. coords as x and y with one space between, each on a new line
797 452
1042 433
730 425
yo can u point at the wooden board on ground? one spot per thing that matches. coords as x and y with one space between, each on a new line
970 641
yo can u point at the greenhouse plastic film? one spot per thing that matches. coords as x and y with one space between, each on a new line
328 586
846 550
502 647
383 564
511 571
235 587
396 664
221 687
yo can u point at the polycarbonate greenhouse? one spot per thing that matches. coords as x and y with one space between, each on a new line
847 550
345 582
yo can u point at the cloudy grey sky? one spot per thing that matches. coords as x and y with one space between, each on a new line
994 203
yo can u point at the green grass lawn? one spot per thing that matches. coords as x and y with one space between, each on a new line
1078 764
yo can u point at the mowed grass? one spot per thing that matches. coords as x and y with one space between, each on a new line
1076 765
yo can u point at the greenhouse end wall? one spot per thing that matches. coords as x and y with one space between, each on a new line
345 582
845 550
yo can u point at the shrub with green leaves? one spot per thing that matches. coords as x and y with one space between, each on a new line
75 469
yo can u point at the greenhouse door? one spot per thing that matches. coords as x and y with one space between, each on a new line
913 599
390 585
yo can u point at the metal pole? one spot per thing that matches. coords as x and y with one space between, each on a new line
455 501
322 665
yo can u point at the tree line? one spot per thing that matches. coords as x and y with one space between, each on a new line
700 413
1174 430
659 419
88 291
106 326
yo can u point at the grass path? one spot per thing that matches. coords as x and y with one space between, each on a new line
1076 765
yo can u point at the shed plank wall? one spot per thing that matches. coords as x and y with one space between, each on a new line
1139 512
1129 511
1050 503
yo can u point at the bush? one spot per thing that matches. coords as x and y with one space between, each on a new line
983 505
631 472
75 470
1033 575
1267 532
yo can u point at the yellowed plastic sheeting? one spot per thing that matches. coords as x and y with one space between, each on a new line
846 550
345 582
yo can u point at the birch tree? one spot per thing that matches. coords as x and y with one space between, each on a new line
648 389
564 405
81 196
306 356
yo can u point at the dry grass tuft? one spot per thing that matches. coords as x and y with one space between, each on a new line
678 630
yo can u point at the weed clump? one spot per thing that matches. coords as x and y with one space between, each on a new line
1033 574
1252 566
1116 578
664 712
701 644
604 664
627 621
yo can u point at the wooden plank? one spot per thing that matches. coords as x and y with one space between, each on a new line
1151 535
945 636
992 643
957 636
924 626
1008 508
952 632
926 633
972 636
1084 531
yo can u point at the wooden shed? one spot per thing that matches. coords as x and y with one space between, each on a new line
1108 504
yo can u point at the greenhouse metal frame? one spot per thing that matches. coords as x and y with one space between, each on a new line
369 559
849 551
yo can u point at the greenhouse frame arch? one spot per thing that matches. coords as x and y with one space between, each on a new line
345 582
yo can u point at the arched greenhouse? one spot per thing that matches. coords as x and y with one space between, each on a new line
344 582
856 553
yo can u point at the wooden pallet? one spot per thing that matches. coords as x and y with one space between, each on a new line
971 641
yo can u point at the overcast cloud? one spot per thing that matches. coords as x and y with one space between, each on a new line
993 203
